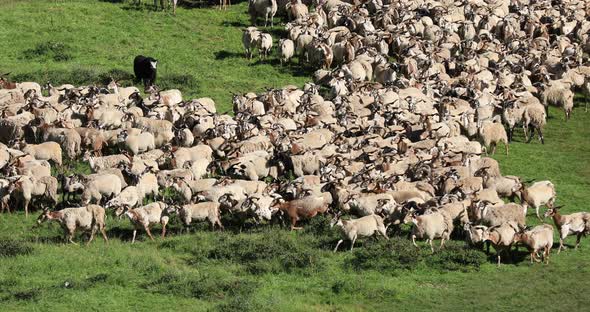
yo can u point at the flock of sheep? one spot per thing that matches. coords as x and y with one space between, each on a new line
407 100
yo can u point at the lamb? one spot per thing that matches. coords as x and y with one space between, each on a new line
148 184
268 8
431 226
199 212
123 93
249 40
90 218
306 207
44 151
105 162
365 226
490 215
538 238
167 98
146 216
264 44
136 144
296 10
538 194
286 50
576 223
105 185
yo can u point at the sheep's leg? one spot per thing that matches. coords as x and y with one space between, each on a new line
442 243
218 222
560 245
149 233
27 207
498 257
506 147
537 212
431 245
414 240
91 238
71 237
293 222
338 244
493 146
578 239
540 135
352 242
104 234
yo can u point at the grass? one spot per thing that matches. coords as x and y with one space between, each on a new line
264 268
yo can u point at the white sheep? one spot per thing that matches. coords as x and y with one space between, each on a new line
128 197
90 218
146 216
576 223
286 50
538 194
249 36
200 212
45 151
137 144
264 44
431 226
538 238
365 226
105 185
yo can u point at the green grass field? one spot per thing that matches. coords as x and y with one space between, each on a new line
268 267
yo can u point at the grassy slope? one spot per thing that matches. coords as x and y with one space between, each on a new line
182 272
199 50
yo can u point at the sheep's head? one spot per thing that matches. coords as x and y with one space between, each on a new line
476 234
552 211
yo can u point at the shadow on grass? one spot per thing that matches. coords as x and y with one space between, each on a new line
222 55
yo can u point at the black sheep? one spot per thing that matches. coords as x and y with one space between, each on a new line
145 69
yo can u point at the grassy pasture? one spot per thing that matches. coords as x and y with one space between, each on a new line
265 268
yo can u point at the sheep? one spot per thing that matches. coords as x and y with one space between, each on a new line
538 238
104 185
147 184
136 144
69 139
199 212
286 50
365 226
44 151
264 44
490 215
491 133
431 226
538 194
559 95
268 8
306 207
123 93
534 116
145 216
161 129
166 98
30 186
183 155
296 10
576 223
249 36
90 218
502 237
128 197
26 86
105 162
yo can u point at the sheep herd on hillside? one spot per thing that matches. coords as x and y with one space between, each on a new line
408 99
